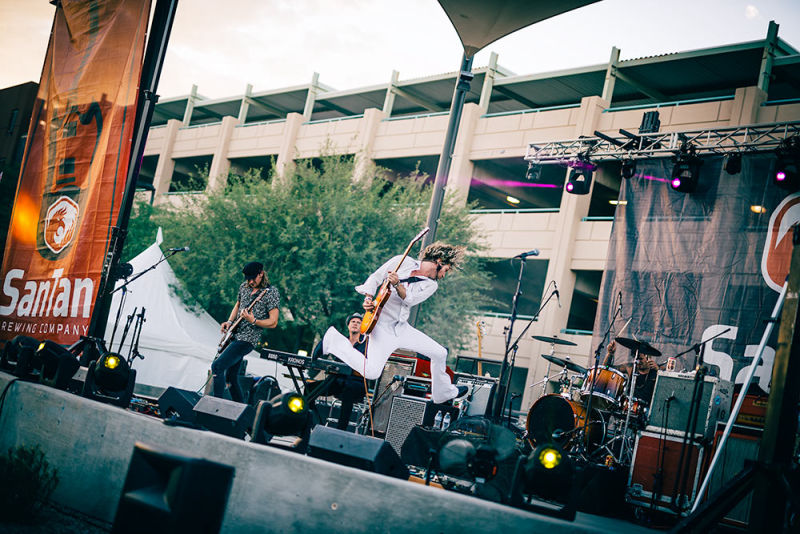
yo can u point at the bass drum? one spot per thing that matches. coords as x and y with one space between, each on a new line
554 419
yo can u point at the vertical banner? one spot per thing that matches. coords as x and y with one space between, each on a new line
690 266
74 169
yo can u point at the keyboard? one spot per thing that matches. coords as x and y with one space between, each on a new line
304 362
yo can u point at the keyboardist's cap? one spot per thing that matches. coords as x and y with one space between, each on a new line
353 316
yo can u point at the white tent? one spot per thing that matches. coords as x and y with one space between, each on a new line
178 344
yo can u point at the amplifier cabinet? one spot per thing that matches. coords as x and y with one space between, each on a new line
481 391
408 412
742 445
656 456
672 398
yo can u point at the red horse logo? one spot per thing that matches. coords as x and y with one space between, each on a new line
778 246
59 225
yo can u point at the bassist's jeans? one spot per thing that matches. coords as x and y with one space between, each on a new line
226 368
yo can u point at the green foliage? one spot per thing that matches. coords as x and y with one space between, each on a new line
26 483
319 233
141 231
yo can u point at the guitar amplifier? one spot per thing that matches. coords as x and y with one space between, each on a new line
481 392
672 397
387 388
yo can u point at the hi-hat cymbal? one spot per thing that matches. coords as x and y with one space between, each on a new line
642 347
561 362
555 341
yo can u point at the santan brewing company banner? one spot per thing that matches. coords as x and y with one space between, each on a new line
690 266
73 170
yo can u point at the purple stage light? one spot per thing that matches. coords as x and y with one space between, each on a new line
676 183
780 176
570 187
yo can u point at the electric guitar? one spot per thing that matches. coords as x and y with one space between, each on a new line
227 337
385 291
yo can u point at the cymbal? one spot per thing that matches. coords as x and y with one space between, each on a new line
561 362
643 347
555 341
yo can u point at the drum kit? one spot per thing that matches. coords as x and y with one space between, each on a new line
608 432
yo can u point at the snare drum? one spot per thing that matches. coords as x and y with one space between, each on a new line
554 419
607 386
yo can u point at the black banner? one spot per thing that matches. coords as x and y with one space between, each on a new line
689 266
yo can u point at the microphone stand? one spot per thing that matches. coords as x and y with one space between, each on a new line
124 288
503 391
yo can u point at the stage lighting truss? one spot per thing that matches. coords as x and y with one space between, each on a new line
719 141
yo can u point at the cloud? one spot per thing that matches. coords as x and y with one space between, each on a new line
751 11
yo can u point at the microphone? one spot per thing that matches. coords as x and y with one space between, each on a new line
555 290
523 255
558 434
178 249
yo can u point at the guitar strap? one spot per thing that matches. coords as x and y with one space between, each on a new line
411 279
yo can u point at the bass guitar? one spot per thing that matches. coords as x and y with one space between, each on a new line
385 291
227 337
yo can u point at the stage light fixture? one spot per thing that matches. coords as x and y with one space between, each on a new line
284 415
19 356
549 473
686 171
733 163
58 364
580 181
110 379
628 168
786 175
534 172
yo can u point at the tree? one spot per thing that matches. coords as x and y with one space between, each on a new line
319 233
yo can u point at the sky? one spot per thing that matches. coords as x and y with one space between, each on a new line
222 45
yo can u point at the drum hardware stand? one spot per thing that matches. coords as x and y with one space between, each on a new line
511 349
625 450
684 459
588 412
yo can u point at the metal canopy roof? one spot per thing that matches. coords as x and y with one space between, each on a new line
706 73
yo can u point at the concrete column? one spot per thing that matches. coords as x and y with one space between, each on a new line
768 56
611 76
220 164
388 102
488 83
187 113
366 140
746 103
311 97
461 166
573 208
285 162
165 165
245 105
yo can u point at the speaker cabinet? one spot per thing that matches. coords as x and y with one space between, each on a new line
178 404
165 492
408 412
655 470
224 416
387 388
672 398
353 450
742 445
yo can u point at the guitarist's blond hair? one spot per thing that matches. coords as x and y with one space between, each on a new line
444 253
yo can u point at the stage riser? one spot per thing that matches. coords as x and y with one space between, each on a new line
91 446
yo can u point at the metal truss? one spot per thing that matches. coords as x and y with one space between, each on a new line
602 147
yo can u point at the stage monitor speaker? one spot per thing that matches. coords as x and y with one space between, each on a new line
714 405
481 392
386 388
178 404
354 450
224 416
166 492
408 412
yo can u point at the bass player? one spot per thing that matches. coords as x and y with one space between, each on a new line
412 283
256 308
